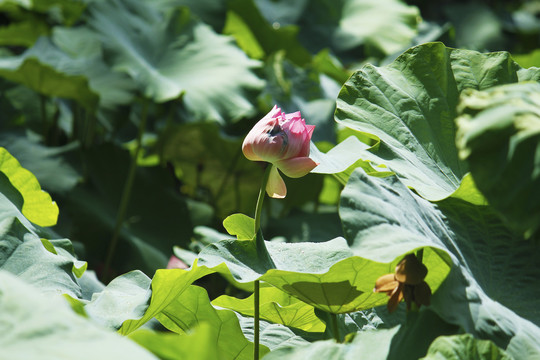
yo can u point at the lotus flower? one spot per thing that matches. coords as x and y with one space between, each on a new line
407 282
282 140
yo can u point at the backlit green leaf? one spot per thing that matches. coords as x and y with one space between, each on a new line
21 194
278 307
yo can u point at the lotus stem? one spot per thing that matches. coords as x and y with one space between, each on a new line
258 241
262 191
256 320
124 201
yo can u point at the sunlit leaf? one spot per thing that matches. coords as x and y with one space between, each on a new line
21 194
277 307
410 105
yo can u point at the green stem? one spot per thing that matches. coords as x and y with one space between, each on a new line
335 330
258 240
125 195
262 191
256 320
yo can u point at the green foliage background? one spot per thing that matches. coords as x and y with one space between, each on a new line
120 146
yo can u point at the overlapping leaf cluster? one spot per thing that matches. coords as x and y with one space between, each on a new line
435 152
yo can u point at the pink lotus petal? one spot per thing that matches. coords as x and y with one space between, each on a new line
275 187
296 167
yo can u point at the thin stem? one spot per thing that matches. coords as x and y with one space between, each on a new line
258 241
256 320
125 194
262 191
335 330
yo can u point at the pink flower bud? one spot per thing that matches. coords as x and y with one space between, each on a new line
282 140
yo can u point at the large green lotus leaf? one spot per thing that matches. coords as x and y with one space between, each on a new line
464 347
46 78
410 106
173 55
246 262
157 218
38 326
499 137
488 289
323 274
37 261
276 306
125 297
193 307
199 344
21 194
347 286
